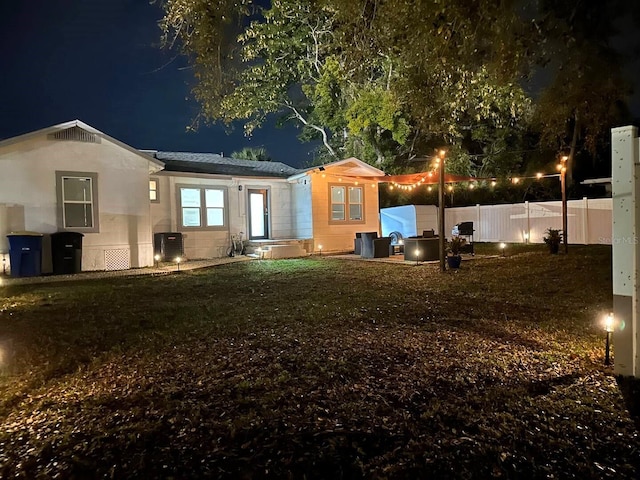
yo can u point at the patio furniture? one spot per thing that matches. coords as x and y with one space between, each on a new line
427 248
374 247
357 242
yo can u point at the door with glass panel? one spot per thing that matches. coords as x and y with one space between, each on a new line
258 214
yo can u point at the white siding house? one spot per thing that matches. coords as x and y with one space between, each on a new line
72 177
44 173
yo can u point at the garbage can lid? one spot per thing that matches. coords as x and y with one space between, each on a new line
24 234
68 234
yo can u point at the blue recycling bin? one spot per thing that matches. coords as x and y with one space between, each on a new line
25 254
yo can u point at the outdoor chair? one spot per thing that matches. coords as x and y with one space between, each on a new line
357 242
374 247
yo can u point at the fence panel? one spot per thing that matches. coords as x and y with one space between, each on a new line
588 221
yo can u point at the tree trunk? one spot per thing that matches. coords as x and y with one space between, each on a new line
572 152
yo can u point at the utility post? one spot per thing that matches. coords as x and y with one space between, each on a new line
563 186
441 239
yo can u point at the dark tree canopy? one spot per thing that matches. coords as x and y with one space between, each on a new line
391 80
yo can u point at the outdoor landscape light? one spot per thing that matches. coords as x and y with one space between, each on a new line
539 176
157 259
526 237
417 255
502 247
320 248
608 327
260 253
178 260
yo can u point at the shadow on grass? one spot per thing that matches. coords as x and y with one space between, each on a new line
630 389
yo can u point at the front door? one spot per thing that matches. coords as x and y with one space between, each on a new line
258 214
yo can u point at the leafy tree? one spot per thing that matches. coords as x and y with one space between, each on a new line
379 79
258 154
587 92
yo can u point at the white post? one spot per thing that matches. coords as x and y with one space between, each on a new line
477 224
585 220
625 185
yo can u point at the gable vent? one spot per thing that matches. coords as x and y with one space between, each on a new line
75 134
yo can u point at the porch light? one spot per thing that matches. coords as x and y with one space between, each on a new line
608 327
178 260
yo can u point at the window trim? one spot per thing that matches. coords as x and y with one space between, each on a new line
157 189
203 207
347 204
95 207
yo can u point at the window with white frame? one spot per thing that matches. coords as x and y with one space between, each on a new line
202 207
153 190
347 204
77 194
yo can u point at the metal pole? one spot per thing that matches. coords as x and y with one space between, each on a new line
563 185
441 240
607 359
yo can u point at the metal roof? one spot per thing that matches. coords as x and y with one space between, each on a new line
213 163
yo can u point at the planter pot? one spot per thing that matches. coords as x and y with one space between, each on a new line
454 261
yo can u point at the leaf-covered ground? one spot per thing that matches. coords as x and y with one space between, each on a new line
319 368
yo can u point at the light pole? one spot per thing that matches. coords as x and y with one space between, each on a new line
441 239
563 185
608 326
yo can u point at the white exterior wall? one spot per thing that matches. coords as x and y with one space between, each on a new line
588 221
214 243
302 208
28 196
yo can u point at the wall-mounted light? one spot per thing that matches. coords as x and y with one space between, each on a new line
239 188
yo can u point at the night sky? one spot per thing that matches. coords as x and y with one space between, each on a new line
99 61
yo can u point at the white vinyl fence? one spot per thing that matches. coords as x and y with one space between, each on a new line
589 221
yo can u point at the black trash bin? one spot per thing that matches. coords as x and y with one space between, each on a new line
66 252
25 254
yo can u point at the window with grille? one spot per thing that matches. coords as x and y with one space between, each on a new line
77 201
346 204
202 207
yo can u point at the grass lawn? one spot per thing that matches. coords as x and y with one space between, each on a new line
319 368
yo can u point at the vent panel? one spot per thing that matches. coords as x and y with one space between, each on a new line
75 134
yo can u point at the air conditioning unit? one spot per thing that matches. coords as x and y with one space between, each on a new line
168 245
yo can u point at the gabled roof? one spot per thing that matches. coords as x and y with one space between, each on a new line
154 165
349 167
215 164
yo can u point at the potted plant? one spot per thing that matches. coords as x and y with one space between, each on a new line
553 240
453 248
